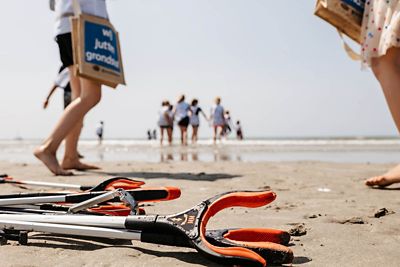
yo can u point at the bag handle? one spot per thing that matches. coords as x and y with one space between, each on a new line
77 8
350 52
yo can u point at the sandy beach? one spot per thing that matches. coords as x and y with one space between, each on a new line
328 198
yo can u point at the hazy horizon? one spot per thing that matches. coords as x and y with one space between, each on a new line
278 68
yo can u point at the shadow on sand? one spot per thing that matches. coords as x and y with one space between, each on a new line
386 188
202 176
87 244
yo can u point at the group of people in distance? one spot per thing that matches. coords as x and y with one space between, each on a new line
185 114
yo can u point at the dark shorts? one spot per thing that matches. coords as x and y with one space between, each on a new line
166 127
67 97
184 122
64 42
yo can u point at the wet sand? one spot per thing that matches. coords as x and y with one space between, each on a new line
328 198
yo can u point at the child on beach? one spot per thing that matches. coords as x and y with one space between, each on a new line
85 94
381 51
100 132
62 81
165 121
181 115
218 119
239 131
195 110
228 124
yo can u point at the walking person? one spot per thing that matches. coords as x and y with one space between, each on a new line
381 51
239 131
165 121
218 119
195 110
227 124
85 94
181 114
100 132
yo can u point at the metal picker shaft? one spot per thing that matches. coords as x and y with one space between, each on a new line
66 229
121 193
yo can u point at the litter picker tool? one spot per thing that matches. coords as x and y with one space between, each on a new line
109 184
246 247
140 194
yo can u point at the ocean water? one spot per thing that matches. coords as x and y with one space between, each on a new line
355 150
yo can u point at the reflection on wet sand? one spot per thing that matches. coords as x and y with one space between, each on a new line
197 154
165 157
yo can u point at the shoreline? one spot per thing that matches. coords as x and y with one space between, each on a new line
352 151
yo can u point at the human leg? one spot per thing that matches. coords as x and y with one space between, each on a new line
183 135
161 135
89 97
194 134
71 140
387 71
71 117
169 132
47 152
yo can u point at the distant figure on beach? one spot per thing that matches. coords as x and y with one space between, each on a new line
195 112
149 137
181 115
381 51
100 132
62 82
218 119
239 131
165 121
154 135
227 124
85 94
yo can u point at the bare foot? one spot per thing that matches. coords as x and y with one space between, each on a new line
69 164
50 160
391 177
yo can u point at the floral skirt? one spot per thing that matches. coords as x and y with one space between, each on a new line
380 29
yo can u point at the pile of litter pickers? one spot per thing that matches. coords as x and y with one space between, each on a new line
113 209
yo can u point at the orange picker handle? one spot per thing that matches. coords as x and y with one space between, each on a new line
238 255
244 247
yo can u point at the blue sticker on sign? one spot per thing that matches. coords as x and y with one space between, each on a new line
101 46
358 5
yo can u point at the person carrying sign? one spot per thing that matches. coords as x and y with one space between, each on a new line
85 93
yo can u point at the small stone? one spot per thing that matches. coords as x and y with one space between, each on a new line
382 212
354 220
298 230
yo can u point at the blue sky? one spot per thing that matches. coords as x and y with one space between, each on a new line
278 68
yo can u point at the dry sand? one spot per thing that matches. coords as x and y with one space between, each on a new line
328 242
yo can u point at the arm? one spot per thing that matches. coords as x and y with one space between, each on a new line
204 115
46 102
211 113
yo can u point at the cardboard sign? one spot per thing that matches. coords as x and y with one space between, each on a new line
97 50
345 15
